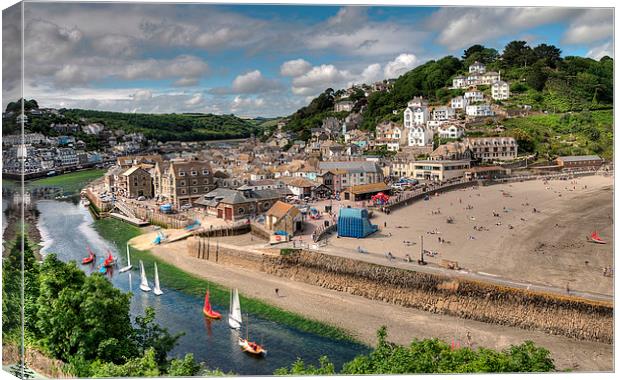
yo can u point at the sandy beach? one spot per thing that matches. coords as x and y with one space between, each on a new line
512 253
546 247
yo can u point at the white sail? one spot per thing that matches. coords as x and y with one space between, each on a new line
234 315
156 290
144 284
128 267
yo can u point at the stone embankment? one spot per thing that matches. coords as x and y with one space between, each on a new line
559 315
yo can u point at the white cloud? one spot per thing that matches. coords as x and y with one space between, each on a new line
590 26
194 100
252 82
400 65
598 52
295 67
142 95
462 27
371 73
318 79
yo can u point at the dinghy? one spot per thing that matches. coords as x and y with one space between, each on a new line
248 346
208 311
144 284
156 290
234 312
595 238
110 260
91 257
128 267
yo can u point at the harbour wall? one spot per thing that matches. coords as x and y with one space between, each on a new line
476 300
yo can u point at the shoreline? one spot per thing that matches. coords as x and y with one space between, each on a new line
189 283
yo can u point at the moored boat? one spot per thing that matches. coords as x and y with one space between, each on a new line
248 346
156 289
129 266
144 284
234 312
90 258
208 311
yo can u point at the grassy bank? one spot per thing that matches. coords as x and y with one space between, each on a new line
175 278
71 182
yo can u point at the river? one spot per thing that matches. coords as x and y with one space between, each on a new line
67 228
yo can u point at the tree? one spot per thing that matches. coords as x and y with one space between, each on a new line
144 366
537 77
549 55
517 53
184 367
479 53
149 334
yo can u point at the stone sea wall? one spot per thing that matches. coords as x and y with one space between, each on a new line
554 314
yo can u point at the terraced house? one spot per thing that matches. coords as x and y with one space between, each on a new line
183 181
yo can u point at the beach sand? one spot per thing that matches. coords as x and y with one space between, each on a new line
548 247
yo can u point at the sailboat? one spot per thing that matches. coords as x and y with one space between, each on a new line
144 284
110 260
156 290
90 258
234 313
208 311
128 267
248 346
595 238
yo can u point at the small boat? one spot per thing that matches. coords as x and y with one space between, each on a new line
234 312
110 260
144 284
156 290
102 268
208 311
129 266
595 238
248 346
91 257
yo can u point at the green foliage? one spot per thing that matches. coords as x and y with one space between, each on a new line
17 106
479 53
518 53
184 367
432 356
555 135
166 127
289 251
150 335
144 366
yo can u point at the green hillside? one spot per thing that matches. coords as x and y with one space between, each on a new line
165 127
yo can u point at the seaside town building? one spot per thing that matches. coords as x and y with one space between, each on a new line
500 90
492 148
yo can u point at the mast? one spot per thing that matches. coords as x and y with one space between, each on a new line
128 259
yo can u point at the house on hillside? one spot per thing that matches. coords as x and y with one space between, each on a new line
500 90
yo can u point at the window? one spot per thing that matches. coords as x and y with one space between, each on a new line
194 173
183 191
205 172
241 210
182 183
194 182
181 174
195 190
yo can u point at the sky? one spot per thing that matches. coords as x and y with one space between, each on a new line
255 60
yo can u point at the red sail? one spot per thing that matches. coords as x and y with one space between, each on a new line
207 306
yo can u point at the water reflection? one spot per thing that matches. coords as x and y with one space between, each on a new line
67 230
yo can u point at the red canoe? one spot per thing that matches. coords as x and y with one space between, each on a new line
109 260
208 311
91 257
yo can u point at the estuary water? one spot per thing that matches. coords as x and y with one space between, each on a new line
67 229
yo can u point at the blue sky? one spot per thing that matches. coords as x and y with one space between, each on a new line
258 60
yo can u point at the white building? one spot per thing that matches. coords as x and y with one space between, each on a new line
22 118
459 102
479 110
473 96
477 68
420 135
437 170
415 116
500 90
344 106
390 134
489 78
459 82
417 101
443 113
450 131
